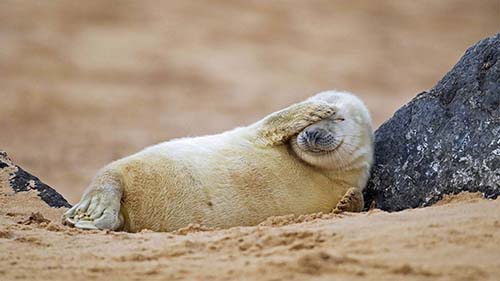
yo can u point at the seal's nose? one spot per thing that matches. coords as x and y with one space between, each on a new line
313 135
317 140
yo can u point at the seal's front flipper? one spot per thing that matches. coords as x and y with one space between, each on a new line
280 126
351 202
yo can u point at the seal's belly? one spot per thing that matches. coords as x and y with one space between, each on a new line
255 190
232 186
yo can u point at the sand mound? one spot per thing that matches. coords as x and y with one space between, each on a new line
458 241
460 197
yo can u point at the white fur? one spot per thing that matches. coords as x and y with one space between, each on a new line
239 177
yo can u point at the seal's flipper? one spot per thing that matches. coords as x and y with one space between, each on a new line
280 126
351 202
99 207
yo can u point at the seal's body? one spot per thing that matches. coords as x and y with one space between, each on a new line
300 160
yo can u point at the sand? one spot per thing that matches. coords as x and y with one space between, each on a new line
458 239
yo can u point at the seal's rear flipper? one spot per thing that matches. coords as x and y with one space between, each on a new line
99 207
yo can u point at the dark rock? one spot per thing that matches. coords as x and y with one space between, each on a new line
446 140
20 181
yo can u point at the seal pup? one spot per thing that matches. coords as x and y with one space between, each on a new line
313 156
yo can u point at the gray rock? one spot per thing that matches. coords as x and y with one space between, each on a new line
446 140
17 179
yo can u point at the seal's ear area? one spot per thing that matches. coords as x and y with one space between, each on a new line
352 107
279 127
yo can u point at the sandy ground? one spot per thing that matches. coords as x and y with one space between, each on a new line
86 82
458 239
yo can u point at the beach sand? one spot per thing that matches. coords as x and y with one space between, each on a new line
458 239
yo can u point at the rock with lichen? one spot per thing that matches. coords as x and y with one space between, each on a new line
446 140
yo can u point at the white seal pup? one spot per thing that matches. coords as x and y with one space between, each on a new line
314 156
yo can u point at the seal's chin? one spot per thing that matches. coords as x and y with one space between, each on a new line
318 144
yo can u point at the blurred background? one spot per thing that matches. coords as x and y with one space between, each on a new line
83 83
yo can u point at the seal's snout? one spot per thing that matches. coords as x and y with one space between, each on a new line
312 136
316 140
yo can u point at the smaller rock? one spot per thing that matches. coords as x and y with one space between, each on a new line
21 181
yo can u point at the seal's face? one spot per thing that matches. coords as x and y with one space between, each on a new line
322 137
340 140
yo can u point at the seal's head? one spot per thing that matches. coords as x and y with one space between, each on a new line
342 141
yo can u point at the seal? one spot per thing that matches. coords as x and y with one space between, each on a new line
314 156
